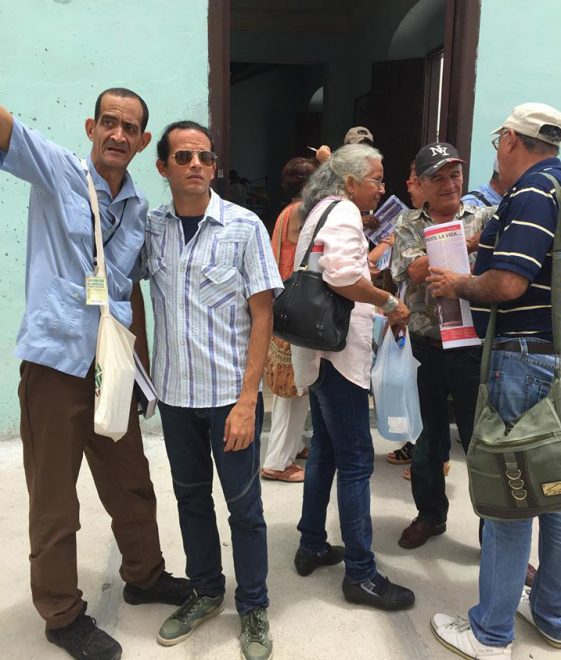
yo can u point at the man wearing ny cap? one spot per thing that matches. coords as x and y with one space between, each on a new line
442 372
515 273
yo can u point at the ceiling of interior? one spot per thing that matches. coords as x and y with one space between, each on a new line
293 15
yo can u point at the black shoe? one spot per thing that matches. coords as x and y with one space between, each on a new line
307 562
167 589
387 596
82 639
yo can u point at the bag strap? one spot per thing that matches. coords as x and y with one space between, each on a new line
480 196
321 222
99 260
555 297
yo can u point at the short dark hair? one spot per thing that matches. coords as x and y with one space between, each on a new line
124 93
163 143
295 174
537 146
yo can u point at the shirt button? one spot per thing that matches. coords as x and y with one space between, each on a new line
77 296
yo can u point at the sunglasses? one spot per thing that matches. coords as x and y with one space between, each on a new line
185 156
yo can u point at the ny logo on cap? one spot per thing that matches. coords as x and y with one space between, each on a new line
440 149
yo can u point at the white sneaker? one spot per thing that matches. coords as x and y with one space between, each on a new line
455 634
524 610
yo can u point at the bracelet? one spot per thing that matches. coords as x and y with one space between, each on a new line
391 304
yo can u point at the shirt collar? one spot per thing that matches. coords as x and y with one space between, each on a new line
214 210
423 211
128 189
538 167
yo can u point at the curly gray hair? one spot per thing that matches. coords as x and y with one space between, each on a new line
329 178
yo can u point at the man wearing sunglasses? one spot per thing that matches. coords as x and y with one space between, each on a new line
57 344
212 274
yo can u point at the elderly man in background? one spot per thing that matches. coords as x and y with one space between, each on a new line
515 273
441 372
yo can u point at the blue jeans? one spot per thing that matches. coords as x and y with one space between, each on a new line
518 381
341 442
190 434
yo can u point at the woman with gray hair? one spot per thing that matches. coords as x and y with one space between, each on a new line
339 382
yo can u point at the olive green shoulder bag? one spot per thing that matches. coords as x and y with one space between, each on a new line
515 471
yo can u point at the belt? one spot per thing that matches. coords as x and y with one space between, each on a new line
542 347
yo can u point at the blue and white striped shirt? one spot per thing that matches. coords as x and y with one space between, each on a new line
526 221
199 295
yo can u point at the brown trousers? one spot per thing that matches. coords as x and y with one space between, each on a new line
56 430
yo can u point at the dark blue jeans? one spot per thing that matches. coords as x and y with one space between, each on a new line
441 373
341 442
190 435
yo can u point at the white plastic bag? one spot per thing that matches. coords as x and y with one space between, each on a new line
394 385
114 377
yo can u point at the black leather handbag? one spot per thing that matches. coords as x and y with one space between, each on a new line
308 312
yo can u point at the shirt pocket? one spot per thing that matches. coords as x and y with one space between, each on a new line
220 286
62 309
78 215
228 253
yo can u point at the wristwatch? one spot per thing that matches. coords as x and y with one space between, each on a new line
391 304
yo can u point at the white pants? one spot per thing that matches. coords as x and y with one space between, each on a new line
288 417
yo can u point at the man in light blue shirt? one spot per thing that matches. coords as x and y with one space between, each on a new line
489 194
57 343
212 274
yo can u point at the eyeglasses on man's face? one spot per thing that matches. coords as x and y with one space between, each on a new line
185 156
495 141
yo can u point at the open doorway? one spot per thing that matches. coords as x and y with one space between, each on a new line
303 71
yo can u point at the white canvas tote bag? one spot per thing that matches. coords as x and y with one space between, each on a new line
114 359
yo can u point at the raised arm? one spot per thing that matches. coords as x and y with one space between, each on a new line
6 123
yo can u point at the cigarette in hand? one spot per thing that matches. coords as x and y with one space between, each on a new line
311 149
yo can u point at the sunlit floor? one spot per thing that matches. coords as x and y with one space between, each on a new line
309 617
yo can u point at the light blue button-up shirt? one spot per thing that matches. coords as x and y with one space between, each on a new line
199 294
58 329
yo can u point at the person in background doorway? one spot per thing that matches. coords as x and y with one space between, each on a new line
355 135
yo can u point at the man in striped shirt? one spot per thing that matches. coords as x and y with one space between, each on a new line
212 274
515 273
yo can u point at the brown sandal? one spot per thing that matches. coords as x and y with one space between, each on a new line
293 474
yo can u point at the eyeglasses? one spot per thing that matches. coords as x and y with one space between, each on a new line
495 141
379 182
185 156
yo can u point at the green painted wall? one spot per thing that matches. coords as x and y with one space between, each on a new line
57 55
518 61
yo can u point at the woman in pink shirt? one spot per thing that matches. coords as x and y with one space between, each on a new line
339 382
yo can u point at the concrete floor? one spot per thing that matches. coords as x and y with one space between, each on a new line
309 617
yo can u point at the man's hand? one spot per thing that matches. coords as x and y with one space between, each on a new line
6 124
323 153
239 430
472 243
445 283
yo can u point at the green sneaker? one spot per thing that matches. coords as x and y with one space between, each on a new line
191 614
255 640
